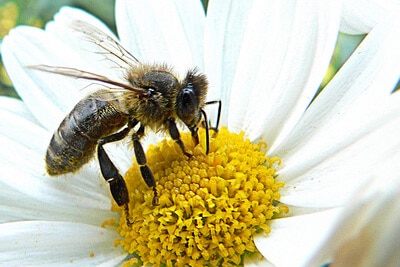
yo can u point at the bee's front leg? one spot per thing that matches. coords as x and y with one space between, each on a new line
219 102
175 135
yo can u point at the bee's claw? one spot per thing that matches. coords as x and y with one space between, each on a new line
128 219
155 201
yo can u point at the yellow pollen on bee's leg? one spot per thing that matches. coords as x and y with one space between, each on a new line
210 206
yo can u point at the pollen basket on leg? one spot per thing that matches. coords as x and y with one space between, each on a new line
210 206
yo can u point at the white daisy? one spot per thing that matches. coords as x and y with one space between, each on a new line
265 62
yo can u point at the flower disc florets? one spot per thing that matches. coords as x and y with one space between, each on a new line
210 206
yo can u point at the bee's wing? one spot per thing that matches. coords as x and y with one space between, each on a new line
113 50
111 94
86 75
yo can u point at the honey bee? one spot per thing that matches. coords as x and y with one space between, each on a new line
151 96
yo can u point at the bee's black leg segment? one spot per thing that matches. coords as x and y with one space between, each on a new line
126 210
195 135
175 135
147 175
219 102
150 181
110 173
139 151
115 137
207 131
118 188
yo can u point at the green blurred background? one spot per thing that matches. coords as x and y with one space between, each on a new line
38 12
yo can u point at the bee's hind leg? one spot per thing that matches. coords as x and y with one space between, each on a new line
118 188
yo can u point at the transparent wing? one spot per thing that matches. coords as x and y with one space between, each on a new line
111 94
113 50
81 74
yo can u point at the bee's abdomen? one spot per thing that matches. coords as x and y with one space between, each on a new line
69 148
74 142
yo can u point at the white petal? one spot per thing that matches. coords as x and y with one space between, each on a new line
17 206
24 171
17 107
331 181
95 59
166 32
47 96
22 131
283 58
57 244
23 168
225 26
356 102
29 193
292 239
65 16
360 16
366 232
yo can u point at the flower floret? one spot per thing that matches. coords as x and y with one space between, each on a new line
210 205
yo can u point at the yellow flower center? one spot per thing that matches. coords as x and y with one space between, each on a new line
210 206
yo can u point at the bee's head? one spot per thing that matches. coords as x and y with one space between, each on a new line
191 99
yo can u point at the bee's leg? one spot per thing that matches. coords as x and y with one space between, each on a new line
207 130
219 102
195 135
207 124
175 135
142 161
110 173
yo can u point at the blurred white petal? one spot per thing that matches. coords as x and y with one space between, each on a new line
360 16
367 231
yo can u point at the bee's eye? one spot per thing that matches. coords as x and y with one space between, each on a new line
187 99
187 103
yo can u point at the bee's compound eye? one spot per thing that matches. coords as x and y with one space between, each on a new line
187 102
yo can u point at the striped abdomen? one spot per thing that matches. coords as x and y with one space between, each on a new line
74 142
